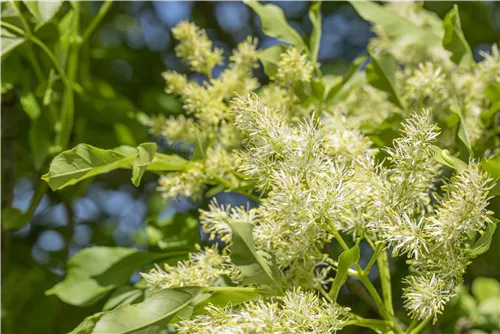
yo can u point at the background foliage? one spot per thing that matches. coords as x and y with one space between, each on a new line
109 86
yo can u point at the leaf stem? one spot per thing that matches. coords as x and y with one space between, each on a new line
97 19
21 17
12 27
420 326
367 283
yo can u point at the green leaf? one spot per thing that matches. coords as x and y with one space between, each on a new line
43 11
123 296
454 39
492 166
444 157
315 17
13 219
274 24
400 30
95 271
9 41
381 74
144 158
30 104
346 260
483 243
84 161
484 288
463 135
353 78
270 59
256 266
150 316
224 298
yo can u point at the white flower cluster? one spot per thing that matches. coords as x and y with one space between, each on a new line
201 269
296 312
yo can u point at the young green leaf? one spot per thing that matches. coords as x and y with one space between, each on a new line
124 295
484 288
315 17
270 59
463 135
256 266
144 158
95 271
351 79
274 24
150 316
9 41
454 39
13 219
492 166
346 260
381 74
224 298
84 161
399 29
483 243
43 11
444 157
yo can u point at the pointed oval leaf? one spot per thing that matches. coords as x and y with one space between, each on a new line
381 74
398 28
256 266
146 153
95 271
346 260
274 24
454 39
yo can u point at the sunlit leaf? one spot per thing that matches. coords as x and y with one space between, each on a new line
399 29
381 74
43 11
270 59
492 166
256 266
454 39
346 260
84 161
444 157
95 271
13 219
483 243
274 24
146 153
9 41
150 316
315 17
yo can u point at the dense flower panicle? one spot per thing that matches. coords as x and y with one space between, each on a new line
293 67
427 86
201 269
179 128
187 183
426 296
195 48
221 165
296 312
462 211
237 78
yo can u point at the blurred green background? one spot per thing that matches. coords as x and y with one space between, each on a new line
121 75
